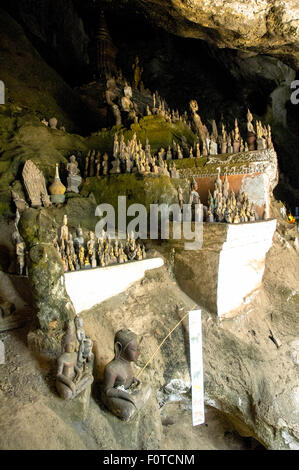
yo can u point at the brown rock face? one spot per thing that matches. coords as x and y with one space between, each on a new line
263 27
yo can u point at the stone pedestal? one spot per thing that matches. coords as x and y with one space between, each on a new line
73 183
228 268
77 409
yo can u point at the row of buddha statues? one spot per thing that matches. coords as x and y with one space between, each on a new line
119 98
120 392
258 137
76 253
212 142
129 157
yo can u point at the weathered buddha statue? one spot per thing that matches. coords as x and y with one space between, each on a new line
64 233
122 393
91 245
71 380
74 179
137 72
85 354
78 240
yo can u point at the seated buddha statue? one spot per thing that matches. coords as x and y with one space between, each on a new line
71 380
122 393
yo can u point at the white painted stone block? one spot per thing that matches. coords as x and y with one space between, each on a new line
2 92
90 287
2 353
242 263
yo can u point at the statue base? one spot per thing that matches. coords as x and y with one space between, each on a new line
73 183
57 198
77 408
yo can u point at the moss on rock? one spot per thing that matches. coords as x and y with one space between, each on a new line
45 270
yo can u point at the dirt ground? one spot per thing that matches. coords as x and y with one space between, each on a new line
34 417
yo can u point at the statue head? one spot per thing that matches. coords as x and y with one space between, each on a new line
78 322
193 106
128 91
70 342
72 158
111 83
194 185
125 345
65 219
79 232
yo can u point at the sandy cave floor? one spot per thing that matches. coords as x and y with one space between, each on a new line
33 416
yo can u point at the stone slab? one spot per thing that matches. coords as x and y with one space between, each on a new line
228 268
89 287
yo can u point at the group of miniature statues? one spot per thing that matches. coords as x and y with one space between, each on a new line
119 98
209 143
121 392
131 157
223 205
228 142
75 254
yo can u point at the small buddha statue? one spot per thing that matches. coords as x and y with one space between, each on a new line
91 245
64 233
74 179
85 354
79 240
81 257
102 260
71 380
137 72
122 393
70 263
116 249
112 256
105 164
70 245
121 255
197 150
139 253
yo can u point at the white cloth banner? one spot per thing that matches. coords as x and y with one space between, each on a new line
196 362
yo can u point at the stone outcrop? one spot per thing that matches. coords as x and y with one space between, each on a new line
264 27
45 270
